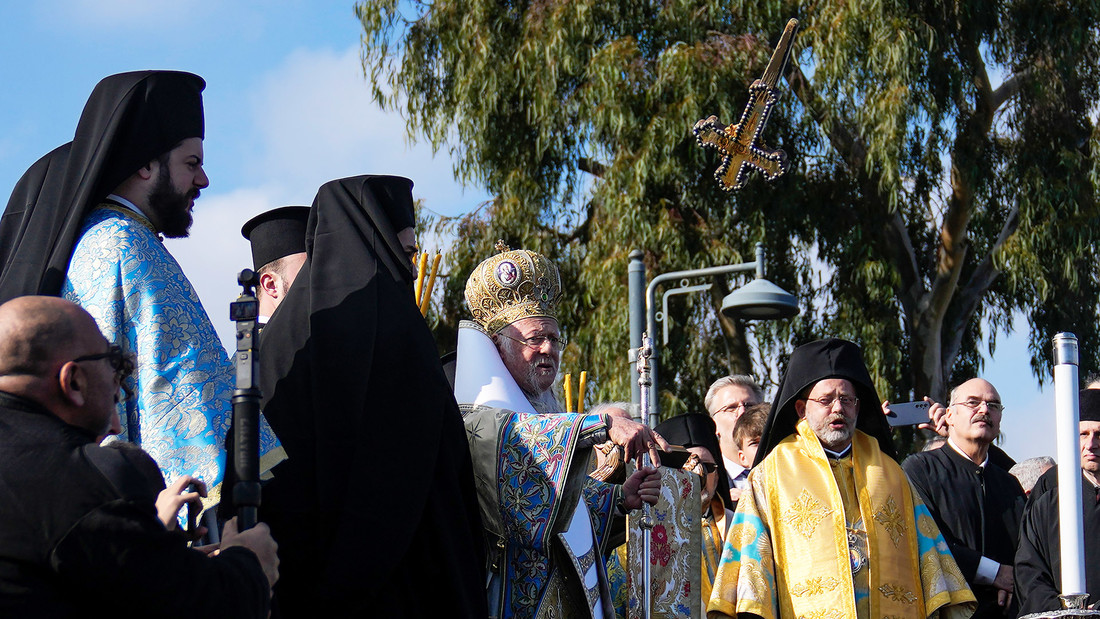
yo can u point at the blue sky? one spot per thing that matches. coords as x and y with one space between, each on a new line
287 109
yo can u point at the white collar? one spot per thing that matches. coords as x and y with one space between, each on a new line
128 204
733 469
837 454
960 452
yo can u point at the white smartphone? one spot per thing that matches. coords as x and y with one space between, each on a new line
908 413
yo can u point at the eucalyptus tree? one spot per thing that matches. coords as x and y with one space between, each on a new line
943 173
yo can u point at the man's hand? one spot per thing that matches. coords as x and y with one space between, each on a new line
635 438
258 540
644 485
1005 584
173 498
937 418
735 494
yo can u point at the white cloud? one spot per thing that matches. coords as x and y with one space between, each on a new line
216 252
312 121
315 121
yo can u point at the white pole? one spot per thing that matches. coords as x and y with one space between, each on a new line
1067 420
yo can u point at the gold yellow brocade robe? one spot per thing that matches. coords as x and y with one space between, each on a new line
787 552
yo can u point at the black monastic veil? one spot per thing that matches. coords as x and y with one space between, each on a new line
375 509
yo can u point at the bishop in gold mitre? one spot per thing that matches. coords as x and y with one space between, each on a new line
830 526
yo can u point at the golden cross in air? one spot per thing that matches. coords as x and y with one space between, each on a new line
741 145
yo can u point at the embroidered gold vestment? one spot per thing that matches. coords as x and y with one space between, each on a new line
793 552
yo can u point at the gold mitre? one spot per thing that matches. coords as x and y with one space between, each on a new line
511 286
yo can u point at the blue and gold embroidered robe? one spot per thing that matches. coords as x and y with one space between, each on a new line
121 273
531 472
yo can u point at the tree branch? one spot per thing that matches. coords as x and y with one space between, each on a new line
843 139
895 238
975 288
1010 88
591 166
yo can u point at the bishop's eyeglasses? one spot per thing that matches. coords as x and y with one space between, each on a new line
536 341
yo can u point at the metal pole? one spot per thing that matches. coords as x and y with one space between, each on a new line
644 357
651 315
635 274
1067 426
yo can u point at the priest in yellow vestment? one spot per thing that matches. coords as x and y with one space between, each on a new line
830 526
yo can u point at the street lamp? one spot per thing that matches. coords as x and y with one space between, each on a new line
757 300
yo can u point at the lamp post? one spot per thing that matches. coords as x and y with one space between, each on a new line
757 300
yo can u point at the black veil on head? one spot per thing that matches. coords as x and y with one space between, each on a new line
693 430
810 363
129 120
383 200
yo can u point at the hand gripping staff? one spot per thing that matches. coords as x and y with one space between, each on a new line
246 403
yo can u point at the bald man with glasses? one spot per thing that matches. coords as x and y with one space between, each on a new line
79 519
976 503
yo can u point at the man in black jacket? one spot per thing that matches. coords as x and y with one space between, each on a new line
976 504
80 534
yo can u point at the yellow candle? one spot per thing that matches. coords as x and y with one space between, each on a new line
423 268
567 386
580 391
426 298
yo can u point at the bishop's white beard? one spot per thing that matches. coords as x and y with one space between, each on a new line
544 402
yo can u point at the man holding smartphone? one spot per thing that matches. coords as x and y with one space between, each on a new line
976 503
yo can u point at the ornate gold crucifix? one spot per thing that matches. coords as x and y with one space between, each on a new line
741 145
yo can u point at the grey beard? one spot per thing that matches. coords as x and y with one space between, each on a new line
828 436
544 402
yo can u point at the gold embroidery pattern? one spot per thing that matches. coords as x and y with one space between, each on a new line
892 520
805 514
927 526
814 586
897 593
932 566
824 613
757 582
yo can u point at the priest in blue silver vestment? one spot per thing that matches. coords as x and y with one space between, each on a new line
87 222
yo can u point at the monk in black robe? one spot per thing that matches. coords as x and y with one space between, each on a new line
1038 559
977 504
374 509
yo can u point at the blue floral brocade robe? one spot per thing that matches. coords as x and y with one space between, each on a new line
121 273
538 465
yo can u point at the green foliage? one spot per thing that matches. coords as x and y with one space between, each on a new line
925 203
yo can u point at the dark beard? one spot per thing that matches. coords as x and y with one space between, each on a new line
170 207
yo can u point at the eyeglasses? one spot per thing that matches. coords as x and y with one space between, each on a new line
846 401
974 404
536 342
731 408
119 361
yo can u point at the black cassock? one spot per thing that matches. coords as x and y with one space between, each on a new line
978 511
1038 560
375 509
